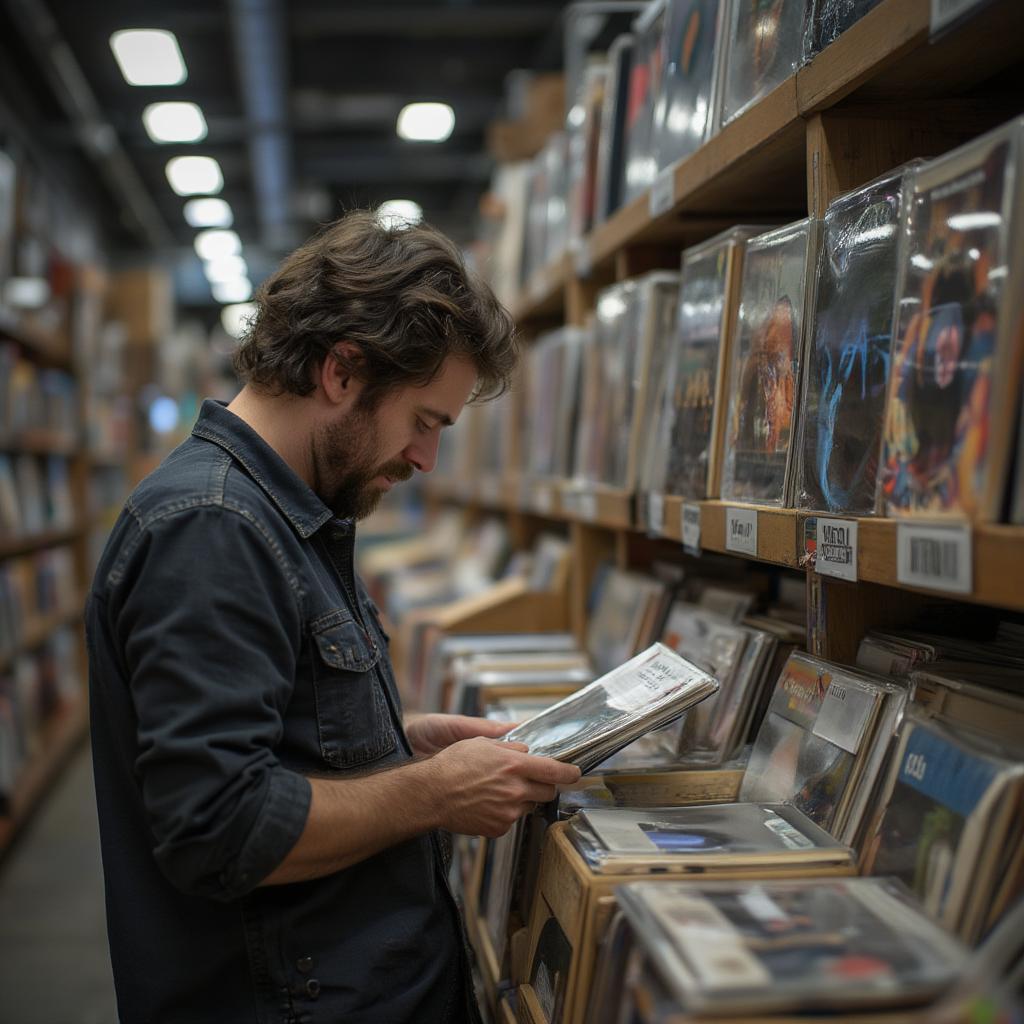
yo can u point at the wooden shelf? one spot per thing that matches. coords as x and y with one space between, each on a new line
48 348
12 547
38 631
59 736
41 442
545 295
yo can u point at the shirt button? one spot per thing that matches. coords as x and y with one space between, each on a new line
312 988
304 964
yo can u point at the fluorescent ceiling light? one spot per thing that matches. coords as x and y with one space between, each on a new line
215 242
148 56
174 122
225 268
238 290
399 213
194 175
235 318
208 213
426 122
974 221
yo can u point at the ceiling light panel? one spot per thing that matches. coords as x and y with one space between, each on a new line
194 175
426 122
148 56
174 122
225 268
239 290
208 213
235 318
216 242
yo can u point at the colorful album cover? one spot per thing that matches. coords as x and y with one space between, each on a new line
583 146
685 104
692 405
765 47
829 19
611 162
808 743
933 834
644 81
735 948
956 356
765 363
849 335
549 973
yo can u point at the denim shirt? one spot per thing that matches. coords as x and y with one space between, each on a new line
233 652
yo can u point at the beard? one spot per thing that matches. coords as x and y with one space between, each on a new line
346 461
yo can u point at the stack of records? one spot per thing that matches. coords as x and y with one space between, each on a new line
486 679
774 947
627 612
775 839
951 827
823 742
956 357
766 362
647 692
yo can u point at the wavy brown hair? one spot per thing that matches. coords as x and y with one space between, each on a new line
403 296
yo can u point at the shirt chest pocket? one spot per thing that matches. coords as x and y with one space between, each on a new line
353 720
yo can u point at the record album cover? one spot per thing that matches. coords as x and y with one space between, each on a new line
956 356
685 104
766 359
611 161
849 336
644 82
765 46
829 19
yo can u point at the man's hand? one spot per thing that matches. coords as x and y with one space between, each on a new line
482 787
430 734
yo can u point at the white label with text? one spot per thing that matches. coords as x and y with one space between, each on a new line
836 548
691 527
655 512
663 192
741 531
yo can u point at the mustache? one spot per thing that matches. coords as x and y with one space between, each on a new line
396 471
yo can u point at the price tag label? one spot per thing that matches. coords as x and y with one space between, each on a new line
741 531
542 499
935 556
663 192
836 547
655 512
582 260
691 528
586 506
945 12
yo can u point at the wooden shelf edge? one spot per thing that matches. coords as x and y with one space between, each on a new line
545 291
37 634
38 541
60 735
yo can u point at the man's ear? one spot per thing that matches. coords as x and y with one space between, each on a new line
338 373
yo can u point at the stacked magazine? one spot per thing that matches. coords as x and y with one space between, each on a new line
647 692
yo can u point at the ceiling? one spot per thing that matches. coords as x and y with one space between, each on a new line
300 98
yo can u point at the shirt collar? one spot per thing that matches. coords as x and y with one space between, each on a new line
293 496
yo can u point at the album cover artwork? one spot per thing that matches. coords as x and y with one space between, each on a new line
815 726
740 948
553 373
957 345
849 337
765 366
611 161
764 48
644 81
583 153
549 973
829 19
697 368
685 104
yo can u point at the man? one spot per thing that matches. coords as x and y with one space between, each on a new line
269 829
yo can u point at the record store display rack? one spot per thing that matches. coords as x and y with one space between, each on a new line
770 286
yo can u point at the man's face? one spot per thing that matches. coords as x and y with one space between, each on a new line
358 457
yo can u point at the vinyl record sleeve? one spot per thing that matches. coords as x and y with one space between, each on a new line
765 364
583 154
819 720
957 338
644 82
553 383
829 19
611 162
737 948
646 692
765 46
689 430
846 374
614 629
685 104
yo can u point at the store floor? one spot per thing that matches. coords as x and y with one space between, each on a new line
54 964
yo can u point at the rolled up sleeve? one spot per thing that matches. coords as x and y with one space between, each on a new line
210 625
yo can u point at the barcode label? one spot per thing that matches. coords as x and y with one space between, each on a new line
836 548
655 513
936 557
945 12
845 714
741 531
691 528
663 192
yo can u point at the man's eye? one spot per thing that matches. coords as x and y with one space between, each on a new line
421 426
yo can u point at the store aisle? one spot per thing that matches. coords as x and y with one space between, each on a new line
54 964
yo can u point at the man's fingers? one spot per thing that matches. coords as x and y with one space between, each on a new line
522 747
547 769
539 793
